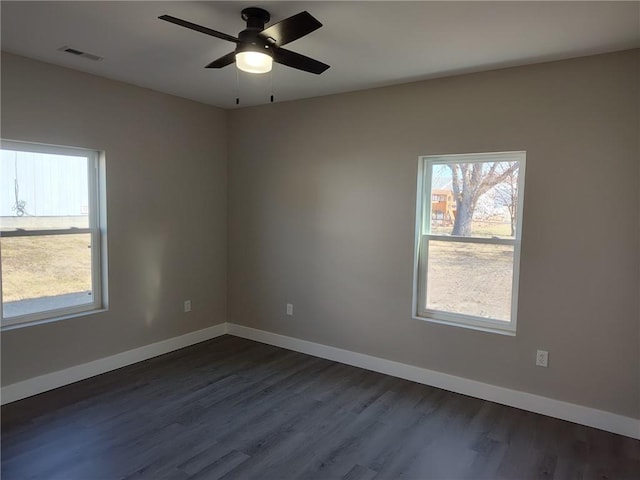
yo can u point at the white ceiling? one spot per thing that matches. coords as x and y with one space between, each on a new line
367 44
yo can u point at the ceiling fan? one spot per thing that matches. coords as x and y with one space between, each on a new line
258 47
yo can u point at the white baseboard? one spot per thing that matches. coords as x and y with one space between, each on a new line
591 417
49 381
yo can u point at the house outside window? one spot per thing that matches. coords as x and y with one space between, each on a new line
51 233
467 249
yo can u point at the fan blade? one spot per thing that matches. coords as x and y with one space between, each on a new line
291 28
228 59
199 28
295 60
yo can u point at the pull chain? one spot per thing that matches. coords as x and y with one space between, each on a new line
237 87
271 77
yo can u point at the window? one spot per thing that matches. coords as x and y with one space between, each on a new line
50 232
466 266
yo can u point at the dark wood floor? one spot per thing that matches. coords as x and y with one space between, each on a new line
233 408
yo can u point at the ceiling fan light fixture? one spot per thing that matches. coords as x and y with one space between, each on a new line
258 47
254 62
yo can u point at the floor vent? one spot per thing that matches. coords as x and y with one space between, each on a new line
79 53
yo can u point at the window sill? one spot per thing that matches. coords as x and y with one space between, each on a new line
33 323
481 328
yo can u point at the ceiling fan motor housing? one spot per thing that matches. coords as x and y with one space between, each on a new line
250 38
251 42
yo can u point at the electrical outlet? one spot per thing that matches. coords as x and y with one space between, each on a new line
187 305
542 358
290 309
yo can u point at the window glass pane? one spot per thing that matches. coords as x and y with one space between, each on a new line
477 199
42 273
470 279
43 191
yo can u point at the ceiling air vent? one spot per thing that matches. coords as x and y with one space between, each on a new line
79 53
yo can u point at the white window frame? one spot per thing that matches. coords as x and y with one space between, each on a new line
423 236
96 229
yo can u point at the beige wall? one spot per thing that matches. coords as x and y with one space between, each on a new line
321 215
166 161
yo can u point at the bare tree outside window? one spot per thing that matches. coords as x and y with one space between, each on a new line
469 182
506 194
